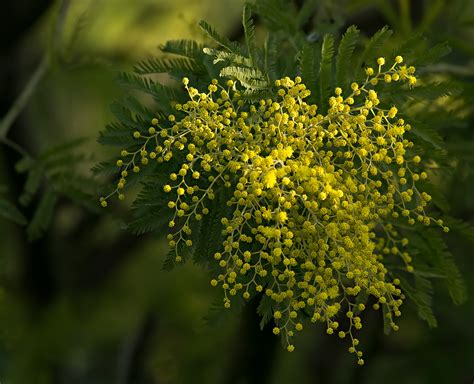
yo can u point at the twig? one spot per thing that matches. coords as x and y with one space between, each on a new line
60 21
24 97
19 149
20 103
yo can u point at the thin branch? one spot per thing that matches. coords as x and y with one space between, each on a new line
19 149
20 103
60 21
24 97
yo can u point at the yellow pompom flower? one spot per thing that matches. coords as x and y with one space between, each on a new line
309 194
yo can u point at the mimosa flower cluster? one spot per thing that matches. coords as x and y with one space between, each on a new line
312 195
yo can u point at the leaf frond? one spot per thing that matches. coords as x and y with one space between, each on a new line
344 62
326 69
224 42
249 32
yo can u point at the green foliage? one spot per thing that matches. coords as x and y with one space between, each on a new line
249 31
265 310
439 200
430 136
374 48
251 78
309 59
280 15
32 184
420 293
270 56
344 60
42 218
460 227
187 48
130 115
441 120
211 231
323 65
158 91
150 213
442 259
10 212
432 55
227 57
306 12
326 75
51 175
173 66
433 260
222 41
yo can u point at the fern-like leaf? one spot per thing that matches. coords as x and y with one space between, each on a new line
344 62
174 66
182 250
25 164
421 295
42 216
435 254
249 31
265 310
374 47
187 48
218 314
424 93
150 210
116 134
432 55
72 186
277 15
460 227
250 78
437 196
224 42
445 260
326 70
271 56
306 12
427 134
227 57
212 242
309 61
10 212
162 94
32 185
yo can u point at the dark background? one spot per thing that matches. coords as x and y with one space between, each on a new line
90 303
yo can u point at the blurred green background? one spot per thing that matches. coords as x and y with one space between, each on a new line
90 303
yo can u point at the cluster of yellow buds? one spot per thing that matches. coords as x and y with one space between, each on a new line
312 194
